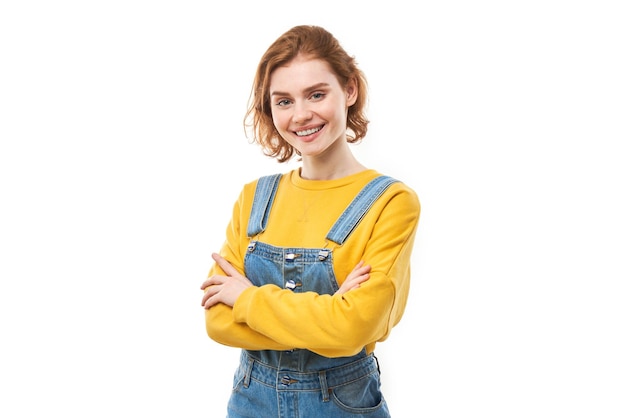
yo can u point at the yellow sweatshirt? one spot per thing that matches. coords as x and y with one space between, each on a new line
273 318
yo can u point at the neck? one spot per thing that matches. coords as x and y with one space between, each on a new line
319 168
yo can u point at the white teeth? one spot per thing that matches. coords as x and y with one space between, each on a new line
308 132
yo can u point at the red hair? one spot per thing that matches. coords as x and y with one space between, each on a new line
317 43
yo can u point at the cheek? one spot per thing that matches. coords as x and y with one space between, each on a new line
333 110
280 120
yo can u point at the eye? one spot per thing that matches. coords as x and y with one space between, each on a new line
317 95
283 102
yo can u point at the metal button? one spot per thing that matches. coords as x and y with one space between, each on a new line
323 255
286 380
292 284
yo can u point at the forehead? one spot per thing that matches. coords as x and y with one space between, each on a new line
302 72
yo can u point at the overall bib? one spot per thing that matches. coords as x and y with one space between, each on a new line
299 383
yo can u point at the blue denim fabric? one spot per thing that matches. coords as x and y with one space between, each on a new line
266 191
299 383
265 391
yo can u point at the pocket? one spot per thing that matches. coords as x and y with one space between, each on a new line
359 396
238 377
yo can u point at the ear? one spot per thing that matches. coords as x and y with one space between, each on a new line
352 92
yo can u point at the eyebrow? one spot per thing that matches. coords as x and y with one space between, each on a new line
313 87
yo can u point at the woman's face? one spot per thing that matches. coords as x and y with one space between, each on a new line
309 106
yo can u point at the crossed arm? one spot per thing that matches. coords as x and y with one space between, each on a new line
226 289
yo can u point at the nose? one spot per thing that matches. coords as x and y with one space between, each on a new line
301 113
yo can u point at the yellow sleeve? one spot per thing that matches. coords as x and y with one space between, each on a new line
220 325
341 325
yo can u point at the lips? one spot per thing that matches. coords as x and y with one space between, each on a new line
307 132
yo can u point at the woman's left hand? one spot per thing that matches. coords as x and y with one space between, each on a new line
224 289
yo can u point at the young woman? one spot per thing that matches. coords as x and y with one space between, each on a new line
315 268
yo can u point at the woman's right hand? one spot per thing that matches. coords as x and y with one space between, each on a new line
358 275
225 289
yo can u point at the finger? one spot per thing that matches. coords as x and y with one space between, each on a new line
213 280
363 269
355 281
208 282
352 287
225 265
210 302
358 265
210 292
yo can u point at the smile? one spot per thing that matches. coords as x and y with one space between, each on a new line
309 131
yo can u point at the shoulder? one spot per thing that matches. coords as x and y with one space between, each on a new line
401 195
252 184
267 181
396 186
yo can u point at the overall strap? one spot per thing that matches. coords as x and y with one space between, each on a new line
263 198
357 209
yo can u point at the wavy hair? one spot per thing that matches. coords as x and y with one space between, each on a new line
318 43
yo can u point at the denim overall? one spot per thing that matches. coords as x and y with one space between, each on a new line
299 383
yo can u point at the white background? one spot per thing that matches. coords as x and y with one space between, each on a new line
122 151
